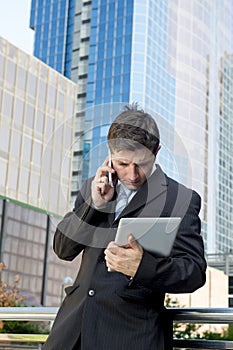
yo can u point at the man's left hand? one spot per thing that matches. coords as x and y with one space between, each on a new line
124 259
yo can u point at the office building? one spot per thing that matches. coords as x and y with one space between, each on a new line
37 110
175 59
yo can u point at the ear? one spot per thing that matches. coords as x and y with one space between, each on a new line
157 150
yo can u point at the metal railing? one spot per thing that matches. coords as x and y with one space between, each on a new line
198 316
25 314
177 315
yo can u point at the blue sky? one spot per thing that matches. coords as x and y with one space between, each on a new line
14 23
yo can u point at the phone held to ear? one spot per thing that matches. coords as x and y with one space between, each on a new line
110 174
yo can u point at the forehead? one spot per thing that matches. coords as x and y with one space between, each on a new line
136 156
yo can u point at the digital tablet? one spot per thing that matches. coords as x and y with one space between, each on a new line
156 235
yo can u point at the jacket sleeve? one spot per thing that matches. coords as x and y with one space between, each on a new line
81 227
66 242
184 270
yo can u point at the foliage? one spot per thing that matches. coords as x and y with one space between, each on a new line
24 327
10 297
230 332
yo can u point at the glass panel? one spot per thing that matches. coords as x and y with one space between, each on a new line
61 102
27 145
51 97
29 119
7 105
34 185
12 177
41 93
40 122
56 163
31 85
3 174
4 139
21 78
36 154
10 74
49 126
46 161
18 112
1 67
15 143
24 178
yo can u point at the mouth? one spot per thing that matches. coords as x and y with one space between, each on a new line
133 183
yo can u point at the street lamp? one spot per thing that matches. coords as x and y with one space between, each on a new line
66 281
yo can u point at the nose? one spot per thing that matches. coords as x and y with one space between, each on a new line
133 172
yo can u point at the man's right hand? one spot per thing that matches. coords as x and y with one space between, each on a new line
101 190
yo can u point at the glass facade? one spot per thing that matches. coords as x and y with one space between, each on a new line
224 205
134 70
152 83
37 109
110 52
109 68
53 22
174 59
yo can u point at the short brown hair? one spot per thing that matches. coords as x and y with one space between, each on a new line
132 128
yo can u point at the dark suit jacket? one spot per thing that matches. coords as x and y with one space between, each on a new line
109 310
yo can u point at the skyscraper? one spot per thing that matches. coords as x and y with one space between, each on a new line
54 23
37 108
174 59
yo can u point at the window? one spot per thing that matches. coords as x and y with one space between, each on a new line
82 95
21 78
85 39
83 58
231 285
7 104
18 111
83 76
86 21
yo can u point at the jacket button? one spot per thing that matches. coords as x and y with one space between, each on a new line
91 293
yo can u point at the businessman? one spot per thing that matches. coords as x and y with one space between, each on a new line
124 309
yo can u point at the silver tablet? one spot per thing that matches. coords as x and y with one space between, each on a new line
156 235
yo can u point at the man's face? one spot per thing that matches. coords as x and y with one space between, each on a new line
133 167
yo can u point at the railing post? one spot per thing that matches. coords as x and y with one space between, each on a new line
168 336
3 224
45 267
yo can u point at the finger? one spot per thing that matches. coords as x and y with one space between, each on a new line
110 244
109 258
102 171
113 249
101 188
106 161
101 174
102 179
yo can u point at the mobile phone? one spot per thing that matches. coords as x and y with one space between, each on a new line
110 174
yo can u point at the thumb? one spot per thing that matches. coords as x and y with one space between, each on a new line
132 242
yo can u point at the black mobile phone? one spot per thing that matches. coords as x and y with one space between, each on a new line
110 165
